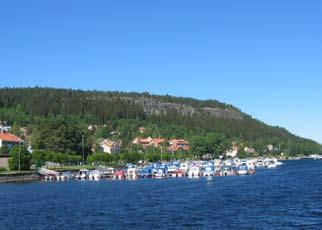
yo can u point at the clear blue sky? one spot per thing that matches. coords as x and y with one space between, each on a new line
264 57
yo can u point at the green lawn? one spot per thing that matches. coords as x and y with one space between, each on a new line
72 167
16 172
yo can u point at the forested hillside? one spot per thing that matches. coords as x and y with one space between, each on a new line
48 108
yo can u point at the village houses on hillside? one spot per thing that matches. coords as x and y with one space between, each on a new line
172 145
111 147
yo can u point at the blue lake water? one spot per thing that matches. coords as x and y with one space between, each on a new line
289 197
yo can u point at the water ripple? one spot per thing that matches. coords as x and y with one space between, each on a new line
285 198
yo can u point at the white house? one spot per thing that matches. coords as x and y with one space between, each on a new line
111 147
250 150
232 153
270 148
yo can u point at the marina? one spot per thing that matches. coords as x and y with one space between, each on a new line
162 170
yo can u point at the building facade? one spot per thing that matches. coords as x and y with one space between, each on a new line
111 147
9 139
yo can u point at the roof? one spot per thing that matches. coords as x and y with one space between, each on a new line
145 140
158 140
178 141
8 137
110 143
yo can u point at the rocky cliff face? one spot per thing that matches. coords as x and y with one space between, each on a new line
152 106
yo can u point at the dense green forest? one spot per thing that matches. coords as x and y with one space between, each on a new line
58 118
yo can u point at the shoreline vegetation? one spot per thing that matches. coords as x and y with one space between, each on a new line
69 127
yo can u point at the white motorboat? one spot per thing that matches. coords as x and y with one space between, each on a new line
184 167
260 164
95 175
172 171
132 173
271 164
82 174
194 172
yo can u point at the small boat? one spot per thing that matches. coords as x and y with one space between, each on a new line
106 172
145 172
58 177
278 163
82 174
95 175
179 173
251 166
131 172
209 171
194 172
184 167
66 176
271 164
119 175
172 171
227 171
260 164
242 169
161 173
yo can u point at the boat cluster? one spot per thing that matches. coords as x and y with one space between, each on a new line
191 169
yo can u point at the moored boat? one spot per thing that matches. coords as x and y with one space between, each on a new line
119 175
242 169
131 172
227 171
161 173
94 175
184 167
208 171
172 171
260 164
145 172
270 164
194 171
82 174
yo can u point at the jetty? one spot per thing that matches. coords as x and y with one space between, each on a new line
18 177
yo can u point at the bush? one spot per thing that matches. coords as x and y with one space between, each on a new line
3 169
25 158
100 158
4 149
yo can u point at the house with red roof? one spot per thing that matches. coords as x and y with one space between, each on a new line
178 144
146 142
9 139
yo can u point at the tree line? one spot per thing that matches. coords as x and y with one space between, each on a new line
57 120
